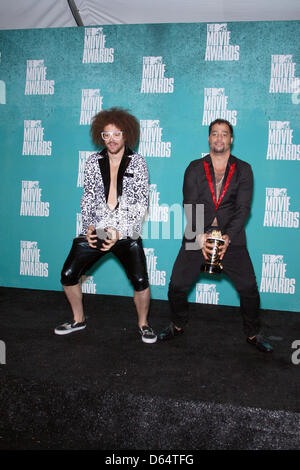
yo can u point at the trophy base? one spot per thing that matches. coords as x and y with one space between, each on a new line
212 269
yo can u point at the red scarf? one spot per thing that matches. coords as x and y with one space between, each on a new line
211 186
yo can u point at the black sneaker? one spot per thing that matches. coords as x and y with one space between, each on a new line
69 327
169 333
148 335
260 343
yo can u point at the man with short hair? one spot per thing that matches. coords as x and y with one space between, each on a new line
223 184
113 205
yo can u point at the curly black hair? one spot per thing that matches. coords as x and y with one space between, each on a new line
122 119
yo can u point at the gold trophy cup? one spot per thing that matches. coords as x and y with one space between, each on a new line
213 265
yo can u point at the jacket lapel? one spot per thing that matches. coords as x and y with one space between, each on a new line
105 171
229 163
122 168
210 175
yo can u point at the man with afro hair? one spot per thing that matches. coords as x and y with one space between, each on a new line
113 205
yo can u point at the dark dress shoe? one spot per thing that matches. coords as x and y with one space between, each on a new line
169 333
260 343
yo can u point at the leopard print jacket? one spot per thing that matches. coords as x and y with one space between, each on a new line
132 194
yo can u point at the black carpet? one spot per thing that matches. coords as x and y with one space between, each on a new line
102 388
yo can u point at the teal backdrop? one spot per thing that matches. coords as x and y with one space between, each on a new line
175 78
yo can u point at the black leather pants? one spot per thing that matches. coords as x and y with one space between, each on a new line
128 251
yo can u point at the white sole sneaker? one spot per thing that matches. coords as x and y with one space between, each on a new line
70 327
147 334
149 341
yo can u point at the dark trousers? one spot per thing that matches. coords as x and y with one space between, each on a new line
128 251
237 266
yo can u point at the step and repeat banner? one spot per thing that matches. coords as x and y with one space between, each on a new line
176 79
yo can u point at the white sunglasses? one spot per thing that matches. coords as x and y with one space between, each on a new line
116 135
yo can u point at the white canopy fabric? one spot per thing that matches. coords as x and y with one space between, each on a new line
23 14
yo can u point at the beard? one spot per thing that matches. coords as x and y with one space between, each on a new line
115 147
221 149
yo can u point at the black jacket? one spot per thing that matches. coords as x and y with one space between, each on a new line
234 203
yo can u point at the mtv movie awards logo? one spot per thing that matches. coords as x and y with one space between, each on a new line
34 143
153 78
283 78
273 276
215 106
156 213
83 155
151 143
207 294
36 81
156 277
218 45
95 51
277 209
91 104
280 144
30 264
31 203
88 286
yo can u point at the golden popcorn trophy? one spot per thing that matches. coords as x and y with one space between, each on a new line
213 265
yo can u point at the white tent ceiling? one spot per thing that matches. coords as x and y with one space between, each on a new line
23 14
